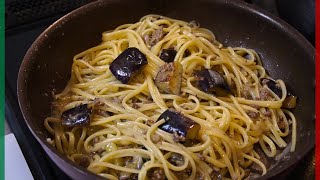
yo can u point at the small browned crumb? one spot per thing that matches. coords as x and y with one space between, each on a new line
199 176
246 173
84 162
265 94
281 123
255 106
130 176
135 100
135 106
266 112
155 138
150 122
154 38
102 113
100 151
253 114
184 174
216 175
200 156
116 100
156 174
146 39
95 140
98 103
149 99
131 146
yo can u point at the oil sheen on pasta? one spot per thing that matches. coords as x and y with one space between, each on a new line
123 141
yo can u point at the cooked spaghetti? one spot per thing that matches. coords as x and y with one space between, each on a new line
111 126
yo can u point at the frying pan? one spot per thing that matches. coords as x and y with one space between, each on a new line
285 53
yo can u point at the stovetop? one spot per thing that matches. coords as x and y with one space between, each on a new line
25 20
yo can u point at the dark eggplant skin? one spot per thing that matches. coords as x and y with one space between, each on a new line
175 122
210 80
129 62
272 85
78 116
168 55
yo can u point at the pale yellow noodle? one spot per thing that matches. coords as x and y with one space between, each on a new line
124 123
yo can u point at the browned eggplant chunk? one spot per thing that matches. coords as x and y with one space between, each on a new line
212 81
290 102
168 79
129 62
168 55
78 116
177 123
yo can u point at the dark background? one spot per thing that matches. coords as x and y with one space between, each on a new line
26 19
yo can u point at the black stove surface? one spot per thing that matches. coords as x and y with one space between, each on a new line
21 31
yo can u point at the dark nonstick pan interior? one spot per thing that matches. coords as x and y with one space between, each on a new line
284 52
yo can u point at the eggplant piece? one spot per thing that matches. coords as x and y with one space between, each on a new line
176 123
212 81
273 86
78 116
169 78
186 53
168 55
127 64
289 102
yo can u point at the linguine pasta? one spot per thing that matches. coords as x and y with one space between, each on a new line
123 139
